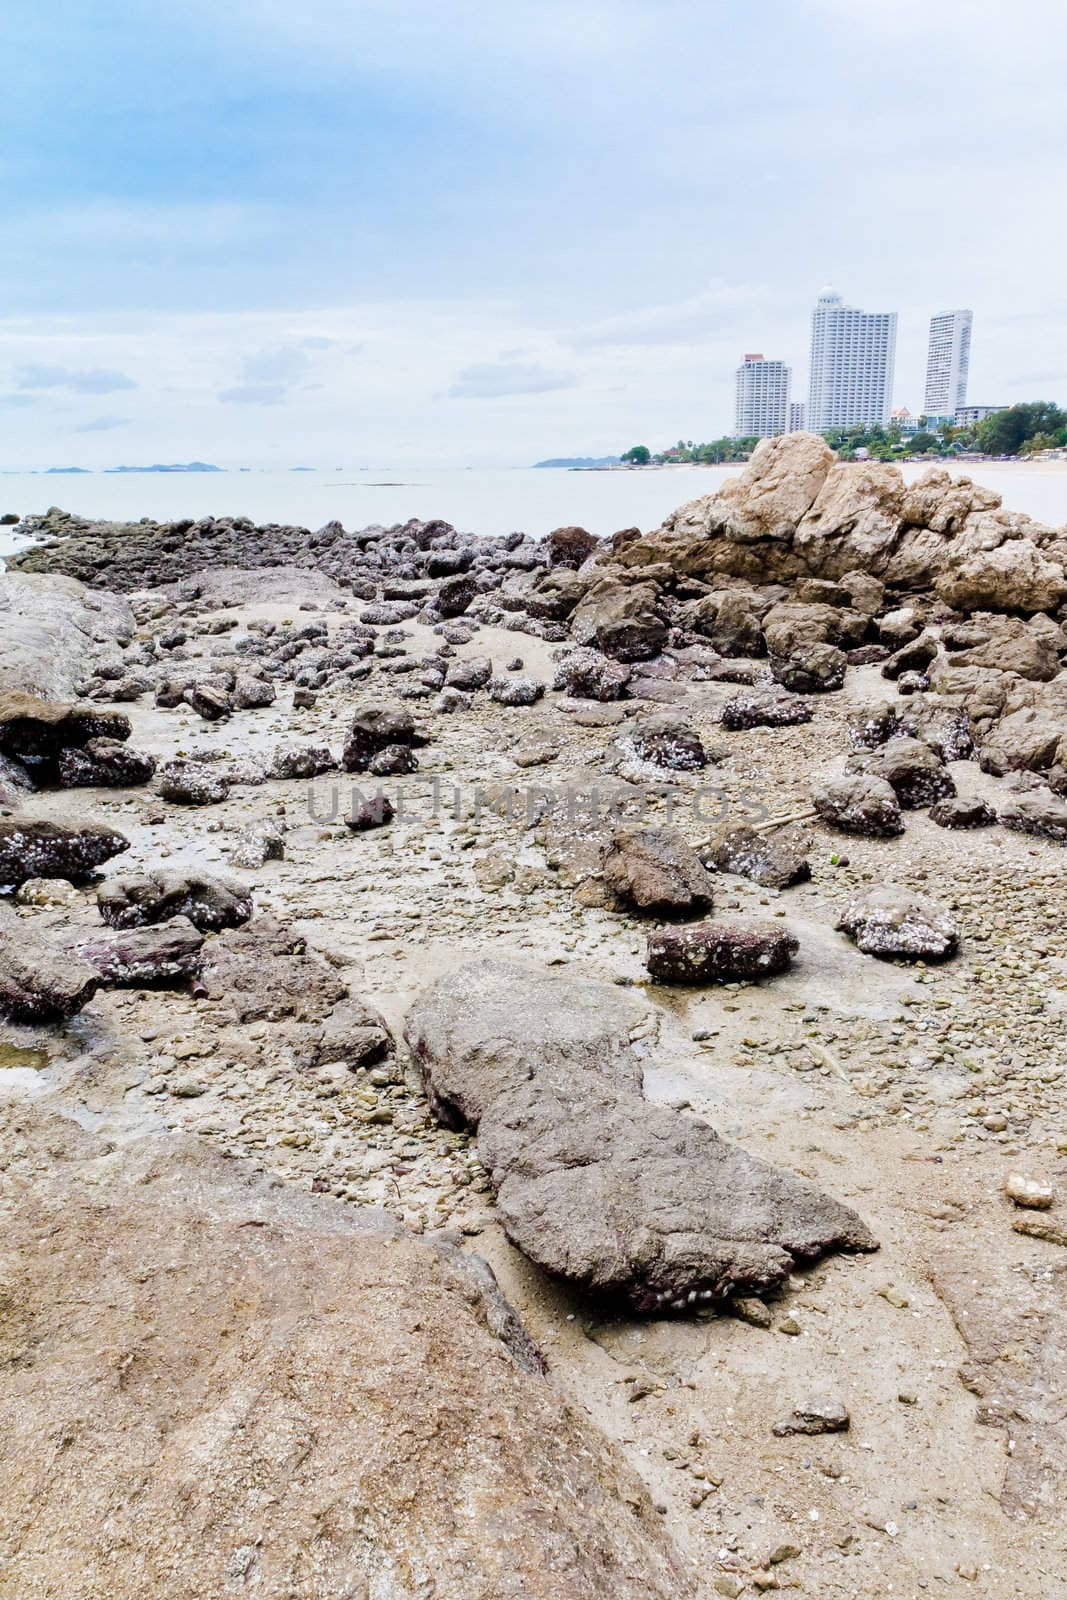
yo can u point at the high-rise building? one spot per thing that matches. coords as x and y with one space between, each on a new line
967 416
852 356
762 408
947 360
797 413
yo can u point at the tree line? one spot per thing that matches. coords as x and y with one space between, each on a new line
1020 430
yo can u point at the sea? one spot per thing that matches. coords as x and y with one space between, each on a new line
477 501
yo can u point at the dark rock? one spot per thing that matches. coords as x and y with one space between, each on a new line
393 760
773 860
367 812
140 958
915 656
619 1197
859 804
655 870
913 771
896 924
456 594
958 812
624 621
569 547
304 699
556 595
31 847
39 983
666 740
104 764
192 783
720 952
141 899
34 731
473 673
264 971
356 1034
208 702
769 707
251 694
375 728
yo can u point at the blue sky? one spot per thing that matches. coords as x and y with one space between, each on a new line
348 231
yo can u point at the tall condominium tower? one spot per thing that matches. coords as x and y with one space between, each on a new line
852 355
762 408
947 361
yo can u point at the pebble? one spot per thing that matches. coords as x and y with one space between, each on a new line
1029 1192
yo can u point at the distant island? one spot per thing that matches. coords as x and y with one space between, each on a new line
580 461
55 470
174 466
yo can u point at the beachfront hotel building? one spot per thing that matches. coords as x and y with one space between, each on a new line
852 357
797 415
948 358
762 404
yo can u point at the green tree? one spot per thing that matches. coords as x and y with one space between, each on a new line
922 443
1004 433
639 455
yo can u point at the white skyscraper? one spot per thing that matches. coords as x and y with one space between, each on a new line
947 361
852 356
762 408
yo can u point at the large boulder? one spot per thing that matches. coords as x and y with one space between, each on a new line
33 847
104 764
987 575
570 547
1037 811
375 728
855 520
266 1391
53 630
775 492
896 924
617 1196
727 620
1028 740
1013 646
655 870
623 620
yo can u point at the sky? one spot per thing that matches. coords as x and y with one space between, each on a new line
366 232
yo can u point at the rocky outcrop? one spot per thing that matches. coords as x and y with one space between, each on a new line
53 629
259 1390
592 1183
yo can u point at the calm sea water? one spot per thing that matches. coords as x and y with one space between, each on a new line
481 502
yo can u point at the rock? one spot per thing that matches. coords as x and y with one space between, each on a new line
32 847
1015 646
301 761
191 783
520 690
327 1358
473 673
1013 576
456 594
570 547
588 675
142 957
859 804
53 630
813 1417
356 1034
1038 811
774 860
769 707
913 657
252 694
393 760
1027 740
623 620
727 620
667 740
375 728
811 669
259 842
913 771
1029 1193
958 812
898 925
141 899
265 971
619 1197
375 811
38 982
655 870
104 764
720 952
208 701
37 732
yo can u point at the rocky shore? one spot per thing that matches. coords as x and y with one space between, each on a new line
533 1067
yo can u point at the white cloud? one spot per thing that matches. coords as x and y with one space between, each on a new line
97 380
494 379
